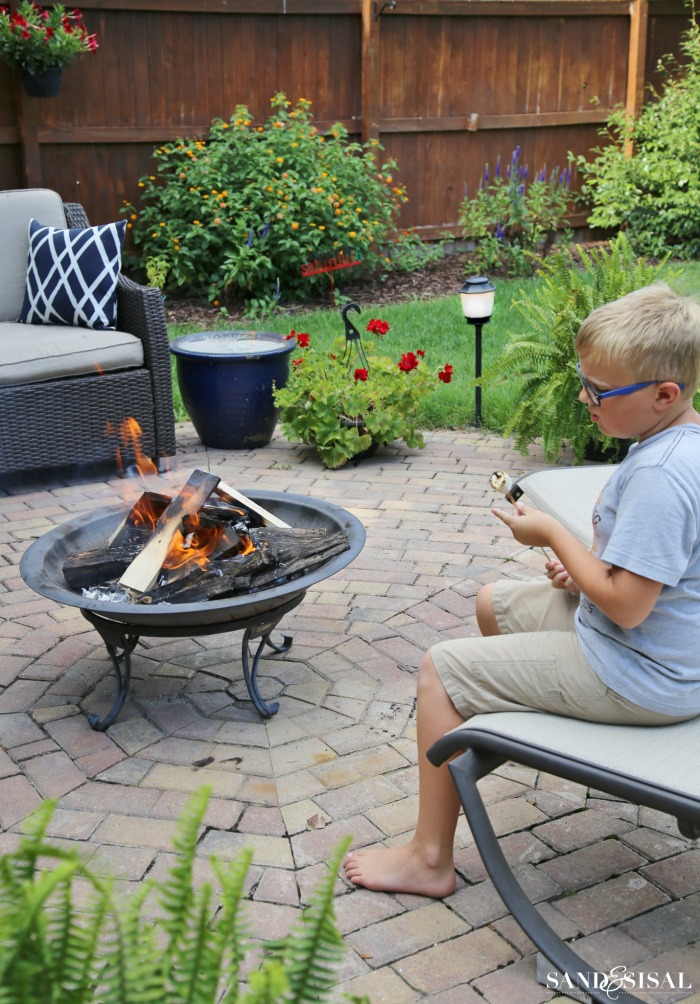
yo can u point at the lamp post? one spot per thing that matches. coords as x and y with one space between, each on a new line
477 295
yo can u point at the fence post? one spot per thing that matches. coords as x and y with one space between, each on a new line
370 72
636 60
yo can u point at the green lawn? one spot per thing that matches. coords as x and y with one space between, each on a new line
438 327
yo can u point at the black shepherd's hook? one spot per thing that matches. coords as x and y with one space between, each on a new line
353 338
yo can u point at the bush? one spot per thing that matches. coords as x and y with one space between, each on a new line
236 216
66 937
512 221
545 357
654 193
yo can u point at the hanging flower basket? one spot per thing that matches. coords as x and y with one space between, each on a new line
40 42
42 85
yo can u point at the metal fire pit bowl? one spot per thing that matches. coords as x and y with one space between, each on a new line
120 625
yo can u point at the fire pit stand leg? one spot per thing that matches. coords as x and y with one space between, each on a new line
250 672
119 647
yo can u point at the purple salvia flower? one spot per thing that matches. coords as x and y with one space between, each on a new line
498 167
266 229
521 189
508 172
486 173
516 155
250 238
500 233
525 170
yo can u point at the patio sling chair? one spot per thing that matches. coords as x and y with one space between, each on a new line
651 766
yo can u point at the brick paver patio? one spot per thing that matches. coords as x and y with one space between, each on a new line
339 758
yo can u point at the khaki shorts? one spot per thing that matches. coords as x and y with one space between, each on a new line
535 664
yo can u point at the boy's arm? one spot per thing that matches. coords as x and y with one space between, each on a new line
624 597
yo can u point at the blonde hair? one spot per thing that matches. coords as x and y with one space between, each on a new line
653 332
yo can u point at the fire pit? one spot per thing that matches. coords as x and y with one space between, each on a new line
121 624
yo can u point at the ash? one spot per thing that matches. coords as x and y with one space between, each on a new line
106 595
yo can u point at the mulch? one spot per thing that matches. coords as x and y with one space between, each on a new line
442 278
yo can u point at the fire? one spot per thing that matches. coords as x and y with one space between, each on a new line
197 542
130 434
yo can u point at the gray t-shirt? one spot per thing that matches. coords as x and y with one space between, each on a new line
647 520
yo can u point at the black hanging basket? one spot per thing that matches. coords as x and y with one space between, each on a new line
43 85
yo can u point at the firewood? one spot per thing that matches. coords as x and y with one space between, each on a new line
95 567
218 580
143 571
231 495
149 507
304 561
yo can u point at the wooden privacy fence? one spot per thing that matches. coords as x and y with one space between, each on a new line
446 85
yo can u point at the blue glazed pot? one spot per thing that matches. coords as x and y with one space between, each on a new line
226 380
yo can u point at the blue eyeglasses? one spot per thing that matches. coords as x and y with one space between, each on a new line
596 396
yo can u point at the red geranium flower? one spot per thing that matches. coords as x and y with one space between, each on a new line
377 327
409 361
421 353
297 362
292 334
303 340
361 374
446 374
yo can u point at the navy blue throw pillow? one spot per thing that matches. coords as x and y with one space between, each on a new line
72 275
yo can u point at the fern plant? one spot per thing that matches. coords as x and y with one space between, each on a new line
172 942
545 359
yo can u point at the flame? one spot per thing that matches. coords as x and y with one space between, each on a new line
193 548
146 511
130 434
196 545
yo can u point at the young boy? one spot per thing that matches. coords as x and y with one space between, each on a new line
618 637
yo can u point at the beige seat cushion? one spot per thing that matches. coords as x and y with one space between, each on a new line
31 353
17 207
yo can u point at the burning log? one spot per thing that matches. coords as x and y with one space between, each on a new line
143 571
231 495
140 520
279 555
103 564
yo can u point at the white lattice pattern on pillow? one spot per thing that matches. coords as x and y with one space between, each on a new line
72 275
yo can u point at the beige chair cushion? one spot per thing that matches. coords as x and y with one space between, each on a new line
17 207
30 353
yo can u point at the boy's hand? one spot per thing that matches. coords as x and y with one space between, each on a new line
529 526
560 578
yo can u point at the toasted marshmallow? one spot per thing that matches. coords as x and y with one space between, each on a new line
501 482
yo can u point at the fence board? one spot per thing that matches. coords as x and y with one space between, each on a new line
447 85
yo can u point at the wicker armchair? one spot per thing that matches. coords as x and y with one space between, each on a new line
75 420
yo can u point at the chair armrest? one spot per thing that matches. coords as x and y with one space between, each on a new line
75 215
140 312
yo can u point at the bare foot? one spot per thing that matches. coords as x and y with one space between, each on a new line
399 869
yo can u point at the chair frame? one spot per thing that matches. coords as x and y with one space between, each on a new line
483 750
63 422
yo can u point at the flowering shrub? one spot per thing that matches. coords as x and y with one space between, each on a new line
345 402
646 180
37 38
513 221
237 215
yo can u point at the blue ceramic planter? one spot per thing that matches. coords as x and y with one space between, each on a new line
226 380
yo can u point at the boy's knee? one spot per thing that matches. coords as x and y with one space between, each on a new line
485 617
